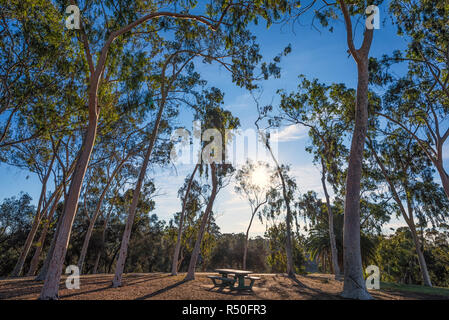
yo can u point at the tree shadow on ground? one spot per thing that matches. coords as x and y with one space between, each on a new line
160 291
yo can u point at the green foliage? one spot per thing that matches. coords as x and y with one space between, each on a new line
396 256
277 258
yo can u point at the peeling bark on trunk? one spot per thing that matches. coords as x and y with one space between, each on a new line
333 245
196 250
174 270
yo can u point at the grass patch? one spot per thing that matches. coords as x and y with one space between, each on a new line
388 286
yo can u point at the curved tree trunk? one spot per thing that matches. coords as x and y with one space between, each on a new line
51 284
174 269
333 245
35 260
97 213
407 217
117 281
196 250
288 218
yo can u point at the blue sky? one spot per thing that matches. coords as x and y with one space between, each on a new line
316 54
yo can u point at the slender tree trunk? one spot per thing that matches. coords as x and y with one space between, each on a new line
288 222
35 260
103 238
97 213
196 250
421 259
408 218
51 285
174 270
36 222
117 281
333 245
245 249
43 272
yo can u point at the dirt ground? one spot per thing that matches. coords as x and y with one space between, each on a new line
165 287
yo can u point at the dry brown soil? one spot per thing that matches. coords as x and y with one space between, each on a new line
142 286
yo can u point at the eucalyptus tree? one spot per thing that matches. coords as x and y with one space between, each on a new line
253 183
185 198
354 284
41 162
193 201
215 123
106 30
417 102
121 147
323 110
35 70
176 79
409 176
288 186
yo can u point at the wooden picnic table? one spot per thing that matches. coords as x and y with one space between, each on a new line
239 276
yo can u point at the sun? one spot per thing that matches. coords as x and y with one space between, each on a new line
260 177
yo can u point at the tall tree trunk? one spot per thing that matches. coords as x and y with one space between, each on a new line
354 285
35 260
288 222
51 285
288 219
174 269
333 245
117 281
196 250
36 222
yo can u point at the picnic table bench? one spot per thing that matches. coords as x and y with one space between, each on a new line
239 277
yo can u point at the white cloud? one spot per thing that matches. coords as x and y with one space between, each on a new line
290 133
